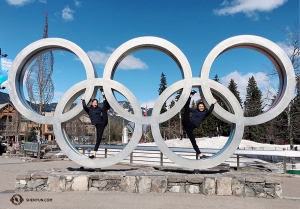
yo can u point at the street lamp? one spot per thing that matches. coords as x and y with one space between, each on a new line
2 55
180 131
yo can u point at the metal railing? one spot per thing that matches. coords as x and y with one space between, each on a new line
154 155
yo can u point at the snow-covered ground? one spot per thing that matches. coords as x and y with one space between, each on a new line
218 143
153 157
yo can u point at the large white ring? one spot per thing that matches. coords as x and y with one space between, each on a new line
89 86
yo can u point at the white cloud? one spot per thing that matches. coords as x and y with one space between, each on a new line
266 85
77 3
128 63
110 49
67 14
98 57
249 7
18 2
43 1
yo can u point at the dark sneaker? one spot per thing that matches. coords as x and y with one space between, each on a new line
102 92
193 92
204 157
92 157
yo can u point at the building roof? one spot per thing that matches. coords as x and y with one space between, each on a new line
3 105
4 98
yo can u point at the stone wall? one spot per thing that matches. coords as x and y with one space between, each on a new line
240 186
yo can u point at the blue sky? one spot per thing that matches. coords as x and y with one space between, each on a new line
99 27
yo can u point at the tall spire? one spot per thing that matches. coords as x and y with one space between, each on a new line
45 35
39 82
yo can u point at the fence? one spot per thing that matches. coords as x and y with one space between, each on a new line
151 155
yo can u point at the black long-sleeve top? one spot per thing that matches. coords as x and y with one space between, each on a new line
198 116
94 113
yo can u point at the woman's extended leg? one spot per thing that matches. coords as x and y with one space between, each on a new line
188 126
186 114
192 138
99 129
105 108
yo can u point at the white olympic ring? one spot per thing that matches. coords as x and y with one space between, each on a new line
89 86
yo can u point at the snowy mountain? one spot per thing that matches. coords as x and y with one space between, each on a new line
127 107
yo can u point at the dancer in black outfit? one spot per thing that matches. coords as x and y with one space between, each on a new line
190 123
98 120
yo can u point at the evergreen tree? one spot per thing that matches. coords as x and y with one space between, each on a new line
233 88
224 127
162 87
253 102
253 107
277 129
31 135
216 78
178 94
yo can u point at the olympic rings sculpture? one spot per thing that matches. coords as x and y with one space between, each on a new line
89 86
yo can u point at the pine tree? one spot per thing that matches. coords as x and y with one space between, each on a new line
178 94
163 84
233 88
253 107
253 102
277 129
162 87
31 135
224 127
216 78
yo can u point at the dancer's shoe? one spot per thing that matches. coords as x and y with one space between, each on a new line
193 92
204 157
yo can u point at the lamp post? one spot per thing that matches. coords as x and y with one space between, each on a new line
180 131
2 55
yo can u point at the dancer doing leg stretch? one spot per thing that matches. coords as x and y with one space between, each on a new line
194 121
98 118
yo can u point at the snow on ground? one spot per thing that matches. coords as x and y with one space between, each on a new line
153 157
218 143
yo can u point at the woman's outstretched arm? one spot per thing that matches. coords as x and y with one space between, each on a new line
211 108
84 105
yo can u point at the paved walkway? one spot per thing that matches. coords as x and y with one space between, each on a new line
9 167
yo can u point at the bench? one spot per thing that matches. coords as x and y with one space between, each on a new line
31 147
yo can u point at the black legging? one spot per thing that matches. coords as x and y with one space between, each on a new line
101 126
188 126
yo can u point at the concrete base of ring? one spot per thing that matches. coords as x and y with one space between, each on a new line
150 179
